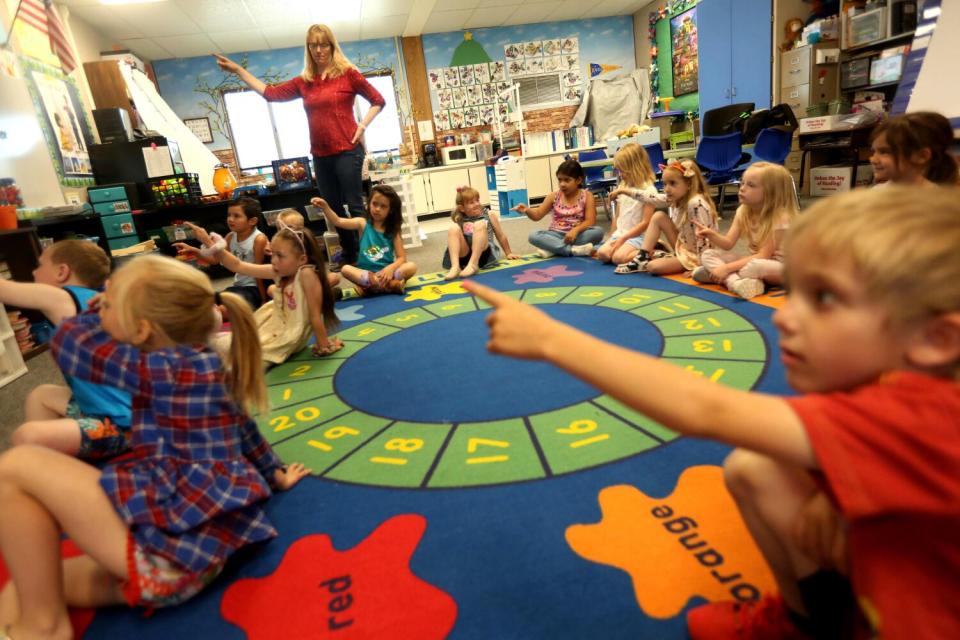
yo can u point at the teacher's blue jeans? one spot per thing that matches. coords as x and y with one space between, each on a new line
340 182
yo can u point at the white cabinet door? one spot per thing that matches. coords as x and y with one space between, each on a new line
555 162
420 185
538 177
443 188
478 180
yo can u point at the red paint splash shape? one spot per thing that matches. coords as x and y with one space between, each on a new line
79 618
364 592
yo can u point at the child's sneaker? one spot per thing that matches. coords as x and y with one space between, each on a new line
747 288
543 253
702 275
582 249
766 619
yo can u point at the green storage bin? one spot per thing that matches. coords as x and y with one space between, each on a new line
122 243
106 194
118 225
816 110
110 208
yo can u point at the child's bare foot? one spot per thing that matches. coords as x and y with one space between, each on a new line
453 273
469 270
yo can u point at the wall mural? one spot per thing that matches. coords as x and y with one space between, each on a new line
470 72
193 87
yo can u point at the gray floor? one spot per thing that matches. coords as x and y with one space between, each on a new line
42 369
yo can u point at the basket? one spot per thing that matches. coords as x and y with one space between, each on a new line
175 190
837 107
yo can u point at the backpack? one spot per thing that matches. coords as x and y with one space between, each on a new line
780 116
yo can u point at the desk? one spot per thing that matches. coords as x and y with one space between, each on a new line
848 142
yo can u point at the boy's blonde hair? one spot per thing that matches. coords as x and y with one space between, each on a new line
779 203
689 172
179 300
464 195
87 261
291 218
634 165
902 242
338 62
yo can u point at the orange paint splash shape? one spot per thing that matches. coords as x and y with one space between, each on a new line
691 543
365 592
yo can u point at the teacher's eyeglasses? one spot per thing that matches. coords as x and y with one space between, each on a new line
319 45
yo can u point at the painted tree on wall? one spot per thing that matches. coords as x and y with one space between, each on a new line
213 104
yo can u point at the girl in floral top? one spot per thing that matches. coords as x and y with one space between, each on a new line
691 208
573 230
159 524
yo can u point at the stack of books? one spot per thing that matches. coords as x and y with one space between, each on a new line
21 330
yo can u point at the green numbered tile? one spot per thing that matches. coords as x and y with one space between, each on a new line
454 307
633 298
747 345
593 295
289 421
675 306
322 446
297 370
714 321
487 453
366 332
408 318
584 436
636 418
398 457
547 295
516 295
285 395
739 375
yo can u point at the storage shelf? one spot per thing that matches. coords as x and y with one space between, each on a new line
870 45
871 87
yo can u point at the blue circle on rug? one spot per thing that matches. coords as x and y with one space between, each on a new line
441 371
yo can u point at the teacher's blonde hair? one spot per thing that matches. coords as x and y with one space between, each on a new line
338 62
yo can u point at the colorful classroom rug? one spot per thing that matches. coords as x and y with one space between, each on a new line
459 494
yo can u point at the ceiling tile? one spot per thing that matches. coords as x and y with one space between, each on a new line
498 3
107 22
283 37
335 11
188 46
486 18
345 31
569 10
381 8
217 15
453 5
157 19
146 49
383 27
241 40
281 12
440 21
530 13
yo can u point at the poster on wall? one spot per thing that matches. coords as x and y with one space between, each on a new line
63 121
686 62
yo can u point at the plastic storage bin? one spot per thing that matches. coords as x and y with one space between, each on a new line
174 190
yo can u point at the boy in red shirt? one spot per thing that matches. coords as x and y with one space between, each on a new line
858 476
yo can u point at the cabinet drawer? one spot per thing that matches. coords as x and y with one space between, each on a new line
122 243
106 194
795 67
119 225
798 98
110 208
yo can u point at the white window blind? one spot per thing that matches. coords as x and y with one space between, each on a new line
536 90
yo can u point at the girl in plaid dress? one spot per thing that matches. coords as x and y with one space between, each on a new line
159 524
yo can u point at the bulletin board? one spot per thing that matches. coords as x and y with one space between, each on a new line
664 56
200 128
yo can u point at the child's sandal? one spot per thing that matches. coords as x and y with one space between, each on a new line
634 266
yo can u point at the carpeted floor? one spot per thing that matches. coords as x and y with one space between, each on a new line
460 494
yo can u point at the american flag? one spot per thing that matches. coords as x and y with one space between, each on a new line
42 15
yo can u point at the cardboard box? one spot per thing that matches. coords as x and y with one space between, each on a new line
824 123
826 181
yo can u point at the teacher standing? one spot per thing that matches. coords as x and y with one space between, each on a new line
328 85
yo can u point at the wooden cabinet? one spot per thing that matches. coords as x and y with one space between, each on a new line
734 52
538 176
435 191
478 180
803 82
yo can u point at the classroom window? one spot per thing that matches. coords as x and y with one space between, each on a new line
539 90
266 131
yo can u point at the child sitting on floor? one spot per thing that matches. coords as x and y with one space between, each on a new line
768 205
858 476
573 230
470 243
632 217
159 525
84 419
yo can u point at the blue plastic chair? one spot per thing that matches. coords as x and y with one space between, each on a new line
773 145
594 182
655 153
721 157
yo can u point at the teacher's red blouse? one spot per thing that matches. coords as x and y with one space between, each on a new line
329 107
